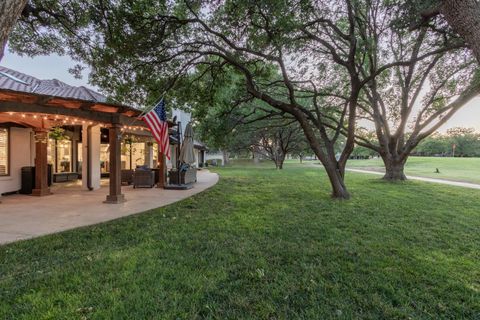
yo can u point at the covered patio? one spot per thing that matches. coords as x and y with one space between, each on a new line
40 113
69 206
51 132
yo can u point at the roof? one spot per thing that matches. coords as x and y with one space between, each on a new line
17 81
199 145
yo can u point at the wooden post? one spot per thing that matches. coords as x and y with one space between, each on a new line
162 165
115 136
41 164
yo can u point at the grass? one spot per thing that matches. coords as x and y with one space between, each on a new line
262 244
456 169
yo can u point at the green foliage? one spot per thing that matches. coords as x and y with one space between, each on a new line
466 141
362 152
57 133
434 145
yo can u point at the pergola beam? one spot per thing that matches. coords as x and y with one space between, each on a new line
97 116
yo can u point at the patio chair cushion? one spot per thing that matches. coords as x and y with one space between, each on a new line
127 176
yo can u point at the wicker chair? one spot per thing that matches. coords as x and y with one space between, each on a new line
188 176
143 178
127 176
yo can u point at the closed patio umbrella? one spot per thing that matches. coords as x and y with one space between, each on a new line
186 151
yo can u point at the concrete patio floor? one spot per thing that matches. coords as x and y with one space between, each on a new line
24 217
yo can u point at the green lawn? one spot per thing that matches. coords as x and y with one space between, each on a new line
457 169
262 244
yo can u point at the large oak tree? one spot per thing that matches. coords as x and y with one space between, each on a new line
462 16
10 10
313 46
407 103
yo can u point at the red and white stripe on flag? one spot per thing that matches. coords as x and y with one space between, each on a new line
159 130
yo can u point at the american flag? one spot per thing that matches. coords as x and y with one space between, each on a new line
156 120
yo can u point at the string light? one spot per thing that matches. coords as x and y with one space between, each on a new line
64 120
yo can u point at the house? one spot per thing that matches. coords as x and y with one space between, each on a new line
56 133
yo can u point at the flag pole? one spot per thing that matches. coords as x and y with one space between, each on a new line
149 109
179 138
154 105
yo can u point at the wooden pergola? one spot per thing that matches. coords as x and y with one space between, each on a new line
42 112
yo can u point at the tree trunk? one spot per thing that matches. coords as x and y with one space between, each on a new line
464 17
10 10
339 190
256 158
332 167
225 156
394 169
279 162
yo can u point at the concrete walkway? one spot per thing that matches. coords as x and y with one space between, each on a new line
441 181
23 217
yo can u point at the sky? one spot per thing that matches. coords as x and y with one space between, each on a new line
56 67
46 67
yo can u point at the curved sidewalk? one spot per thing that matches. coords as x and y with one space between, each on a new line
441 181
24 217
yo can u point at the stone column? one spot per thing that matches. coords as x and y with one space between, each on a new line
91 157
149 154
115 137
41 164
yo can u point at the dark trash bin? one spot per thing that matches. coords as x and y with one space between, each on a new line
28 179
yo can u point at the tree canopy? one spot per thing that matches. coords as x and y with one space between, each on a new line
324 64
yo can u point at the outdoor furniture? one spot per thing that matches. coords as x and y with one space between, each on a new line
143 178
186 158
156 172
187 176
65 176
28 179
127 176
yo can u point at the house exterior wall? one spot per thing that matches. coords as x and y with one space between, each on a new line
173 155
183 117
21 155
196 152
214 155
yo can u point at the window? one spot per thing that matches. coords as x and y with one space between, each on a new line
4 152
155 154
64 156
60 155
104 158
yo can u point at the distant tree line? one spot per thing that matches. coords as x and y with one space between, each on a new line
458 142
455 142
